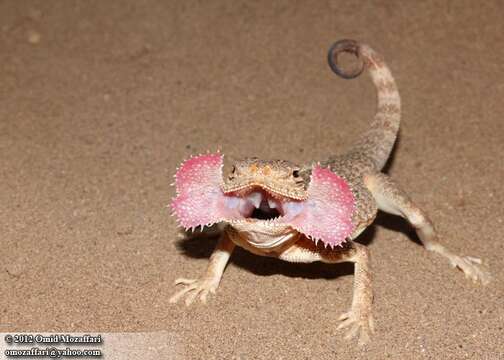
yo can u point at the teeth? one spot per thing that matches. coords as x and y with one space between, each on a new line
255 198
272 203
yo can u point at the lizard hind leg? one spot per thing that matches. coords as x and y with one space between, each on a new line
393 200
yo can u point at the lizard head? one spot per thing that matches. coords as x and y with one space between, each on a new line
269 197
281 179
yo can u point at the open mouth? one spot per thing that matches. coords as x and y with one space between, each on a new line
259 204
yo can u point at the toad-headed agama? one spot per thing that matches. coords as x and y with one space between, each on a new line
312 212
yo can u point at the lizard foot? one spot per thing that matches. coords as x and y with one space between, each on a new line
469 266
193 288
360 324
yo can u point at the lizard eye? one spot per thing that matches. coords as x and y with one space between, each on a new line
295 173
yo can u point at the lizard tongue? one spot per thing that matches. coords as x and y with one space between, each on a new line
200 200
327 213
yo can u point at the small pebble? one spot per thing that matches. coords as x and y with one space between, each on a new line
33 37
34 14
15 270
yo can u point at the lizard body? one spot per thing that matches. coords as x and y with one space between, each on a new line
311 212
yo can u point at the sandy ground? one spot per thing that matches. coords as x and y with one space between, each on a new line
101 100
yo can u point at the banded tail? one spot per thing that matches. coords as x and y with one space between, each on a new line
377 142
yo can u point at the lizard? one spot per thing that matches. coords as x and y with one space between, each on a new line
311 212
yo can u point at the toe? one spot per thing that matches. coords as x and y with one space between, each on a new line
363 338
178 295
192 296
352 332
184 281
345 315
371 324
204 296
474 260
345 323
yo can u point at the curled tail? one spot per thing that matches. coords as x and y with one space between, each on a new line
377 142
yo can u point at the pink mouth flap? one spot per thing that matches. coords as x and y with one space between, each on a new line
200 200
327 214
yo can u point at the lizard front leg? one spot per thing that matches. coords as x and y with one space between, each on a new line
392 199
359 318
209 282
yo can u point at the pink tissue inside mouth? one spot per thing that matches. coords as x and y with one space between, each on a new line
327 214
199 200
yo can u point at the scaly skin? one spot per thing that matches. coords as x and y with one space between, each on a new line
345 198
